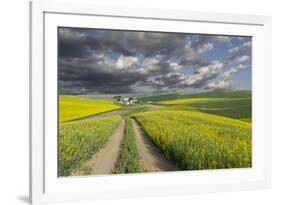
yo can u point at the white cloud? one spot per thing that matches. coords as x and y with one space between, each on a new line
205 73
124 62
205 47
175 66
244 46
227 74
219 85
223 38
150 64
156 82
242 59
151 60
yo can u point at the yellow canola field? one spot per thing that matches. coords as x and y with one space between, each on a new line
196 141
185 100
73 107
80 139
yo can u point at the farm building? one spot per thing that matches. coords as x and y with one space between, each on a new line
126 100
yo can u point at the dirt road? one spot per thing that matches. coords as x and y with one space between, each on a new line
121 111
151 157
103 162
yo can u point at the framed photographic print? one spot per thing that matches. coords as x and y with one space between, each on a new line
129 102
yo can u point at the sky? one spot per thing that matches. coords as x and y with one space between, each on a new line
92 61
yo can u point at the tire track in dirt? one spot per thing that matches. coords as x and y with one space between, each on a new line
103 162
151 157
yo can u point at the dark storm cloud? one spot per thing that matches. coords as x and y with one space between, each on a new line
81 42
106 61
97 74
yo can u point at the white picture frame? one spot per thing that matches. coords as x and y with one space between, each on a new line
46 187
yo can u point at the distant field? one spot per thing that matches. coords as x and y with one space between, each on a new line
237 108
196 140
136 109
72 107
222 94
241 113
158 98
221 103
188 101
179 108
214 94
